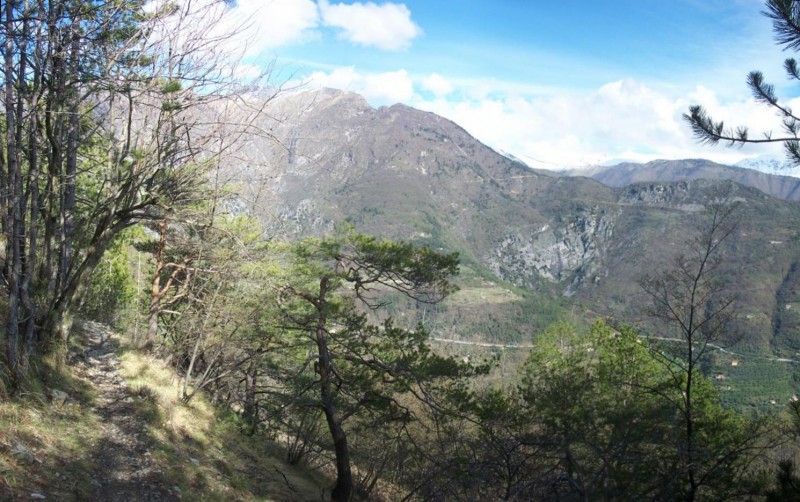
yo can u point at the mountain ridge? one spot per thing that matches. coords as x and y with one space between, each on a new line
555 243
626 173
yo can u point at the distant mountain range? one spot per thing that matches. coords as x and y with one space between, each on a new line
536 245
626 173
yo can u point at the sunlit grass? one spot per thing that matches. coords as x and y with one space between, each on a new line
488 294
200 447
150 381
47 447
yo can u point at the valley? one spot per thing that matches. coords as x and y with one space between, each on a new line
269 251
535 245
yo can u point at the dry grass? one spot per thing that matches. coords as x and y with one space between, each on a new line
49 448
46 446
482 295
201 449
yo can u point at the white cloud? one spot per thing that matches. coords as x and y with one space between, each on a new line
390 87
251 27
387 26
247 28
378 88
270 24
340 78
624 119
437 84
621 120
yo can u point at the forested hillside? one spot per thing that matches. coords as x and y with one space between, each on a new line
320 299
534 245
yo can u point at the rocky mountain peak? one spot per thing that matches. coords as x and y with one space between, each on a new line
403 173
294 106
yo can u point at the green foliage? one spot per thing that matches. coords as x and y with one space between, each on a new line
171 86
171 106
378 360
788 483
362 375
112 286
614 410
601 397
366 263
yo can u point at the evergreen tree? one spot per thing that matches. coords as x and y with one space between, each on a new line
356 367
785 16
102 104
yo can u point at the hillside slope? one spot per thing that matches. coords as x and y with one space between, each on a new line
115 430
534 244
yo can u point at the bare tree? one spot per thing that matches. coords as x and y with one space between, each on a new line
113 116
691 304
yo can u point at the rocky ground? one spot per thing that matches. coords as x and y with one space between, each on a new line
125 469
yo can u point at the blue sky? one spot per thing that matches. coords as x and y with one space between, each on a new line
558 84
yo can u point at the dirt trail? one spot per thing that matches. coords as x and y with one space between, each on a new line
125 469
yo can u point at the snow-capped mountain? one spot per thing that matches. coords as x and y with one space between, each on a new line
771 165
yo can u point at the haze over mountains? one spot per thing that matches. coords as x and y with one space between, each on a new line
534 244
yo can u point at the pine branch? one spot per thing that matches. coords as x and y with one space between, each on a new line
762 92
707 131
790 65
785 15
765 93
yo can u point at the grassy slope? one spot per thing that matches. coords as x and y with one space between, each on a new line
62 439
43 446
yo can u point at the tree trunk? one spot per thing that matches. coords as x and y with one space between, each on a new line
67 210
343 488
58 323
31 263
155 292
10 218
30 269
689 418
250 411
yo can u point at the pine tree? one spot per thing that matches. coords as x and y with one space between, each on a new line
785 16
359 367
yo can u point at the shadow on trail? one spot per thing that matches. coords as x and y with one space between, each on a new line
125 469
140 458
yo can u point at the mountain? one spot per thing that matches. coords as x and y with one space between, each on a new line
536 246
771 165
620 175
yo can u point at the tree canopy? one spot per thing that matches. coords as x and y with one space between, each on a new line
360 367
114 113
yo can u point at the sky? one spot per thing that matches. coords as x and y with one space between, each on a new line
558 84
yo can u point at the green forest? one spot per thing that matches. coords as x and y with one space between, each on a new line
308 360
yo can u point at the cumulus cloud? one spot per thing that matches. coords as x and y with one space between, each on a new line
624 119
437 84
553 129
263 25
378 88
387 26
391 87
273 23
